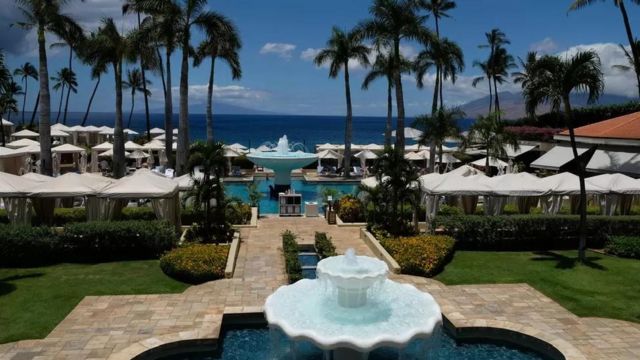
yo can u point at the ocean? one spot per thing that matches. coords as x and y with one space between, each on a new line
255 130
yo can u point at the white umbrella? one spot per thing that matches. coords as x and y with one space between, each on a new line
106 131
163 137
6 122
409 132
103 147
156 145
130 132
366 155
175 131
22 143
373 147
236 147
130 146
92 129
264 148
109 153
68 149
138 154
327 146
329 154
26 133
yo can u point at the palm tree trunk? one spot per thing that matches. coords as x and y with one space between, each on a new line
400 141
210 101
582 227
133 103
348 128
118 133
66 106
145 93
487 169
387 129
2 137
24 101
86 114
60 104
490 93
45 109
434 104
634 49
168 113
35 110
441 87
183 124
495 88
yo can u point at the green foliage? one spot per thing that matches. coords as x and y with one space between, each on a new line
26 246
624 246
329 192
238 213
582 116
138 213
188 216
254 194
196 263
117 240
4 219
291 261
350 209
324 245
532 232
423 255
447 210
62 216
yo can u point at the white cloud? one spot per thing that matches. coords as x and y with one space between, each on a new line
283 50
544 46
233 94
309 54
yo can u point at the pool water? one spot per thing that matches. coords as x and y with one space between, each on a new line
309 191
309 262
255 344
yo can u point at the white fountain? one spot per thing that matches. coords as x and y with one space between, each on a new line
352 308
282 162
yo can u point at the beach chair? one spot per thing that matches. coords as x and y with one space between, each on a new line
170 173
357 171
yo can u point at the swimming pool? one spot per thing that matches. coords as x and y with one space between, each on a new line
309 191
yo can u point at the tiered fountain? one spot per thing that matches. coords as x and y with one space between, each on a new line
352 308
282 162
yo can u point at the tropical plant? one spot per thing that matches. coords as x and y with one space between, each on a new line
43 16
438 127
635 50
111 47
221 43
25 72
629 56
527 67
208 190
341 48
489 131
72 36
498 63
555 79
7 101
394 21
70 82
486 75
64 77
11 90
135 83
98 67
254 194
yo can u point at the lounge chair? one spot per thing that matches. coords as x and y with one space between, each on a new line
170 173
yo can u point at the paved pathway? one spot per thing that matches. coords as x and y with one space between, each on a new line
120 327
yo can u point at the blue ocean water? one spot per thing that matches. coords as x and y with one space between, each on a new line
254 130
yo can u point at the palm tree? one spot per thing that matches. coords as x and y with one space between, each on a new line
394 21
635 50
498 60
554 81
26 71
489 131
43 16
59 84
447 57
221 43
72 36
8 90
135 83
341 48
527 67
502 62
486 71
108 46
11 91
631 63
439 9
438 127
98 67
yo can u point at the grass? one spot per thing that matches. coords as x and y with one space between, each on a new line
605 286
34 300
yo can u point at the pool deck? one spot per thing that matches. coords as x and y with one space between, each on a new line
122 327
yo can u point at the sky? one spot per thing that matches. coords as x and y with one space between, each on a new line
280 38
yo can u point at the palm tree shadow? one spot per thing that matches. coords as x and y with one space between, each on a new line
566 262
6 287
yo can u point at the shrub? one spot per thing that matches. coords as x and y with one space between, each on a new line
138 213
117 240
239 213
291 260
4 219
196 263
447 210
423 255
624 246
324 245
350 209
62 216
532 232
23 246
188 216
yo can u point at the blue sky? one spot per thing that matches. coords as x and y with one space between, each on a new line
280 35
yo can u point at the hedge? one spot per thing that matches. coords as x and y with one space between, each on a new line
583 116
422 255
117 240
291 260
24 246
62 216
624 246
350 209
532 232
196 263
324 245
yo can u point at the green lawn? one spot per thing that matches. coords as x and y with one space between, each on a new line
605 286
34 300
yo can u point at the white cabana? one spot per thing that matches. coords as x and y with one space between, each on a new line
522 149
409 132
105 130
156 131
525 187
138 155
37 177
328 154
29 150
236 147
13 191
21 143
373 147
230 154
91 129
58 133
68 149
100 148
602 161
620 190
143 184
131 146
26 133
327 146
130 132
561 185
365 155
109 153
154 145
61 127
103 147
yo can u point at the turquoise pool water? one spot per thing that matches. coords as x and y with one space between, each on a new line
309 191
255 344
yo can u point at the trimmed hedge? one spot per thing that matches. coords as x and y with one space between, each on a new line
324 245
62 216
196 263
624 246
532 232
350 209
25 246
422 255
117 240
291 260
138 213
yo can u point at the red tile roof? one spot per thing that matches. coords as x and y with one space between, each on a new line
623 127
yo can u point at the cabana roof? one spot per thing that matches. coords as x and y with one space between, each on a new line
67 149
103 147
26 133
568 184
71 185
22 143
13 185
143 184
37 177
616 183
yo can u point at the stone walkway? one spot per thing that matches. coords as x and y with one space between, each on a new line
121 327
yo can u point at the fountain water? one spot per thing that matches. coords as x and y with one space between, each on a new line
352 309
282 162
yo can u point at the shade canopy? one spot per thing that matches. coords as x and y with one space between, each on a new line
26 133
230 153
109 153
37 177
263 148
143 184
67 149
103 147
58 133
154 145
409 132
329 154
616 183
237 147
522 149
163 137
6 122
6 152
568 184
520 184
14 186
463 185
71 185
107 131
185 182
602 160
130 146
138 154
61 127
327 146
366 155
420 155
22 143
28 150
91 129
156 131
130 132
493 162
